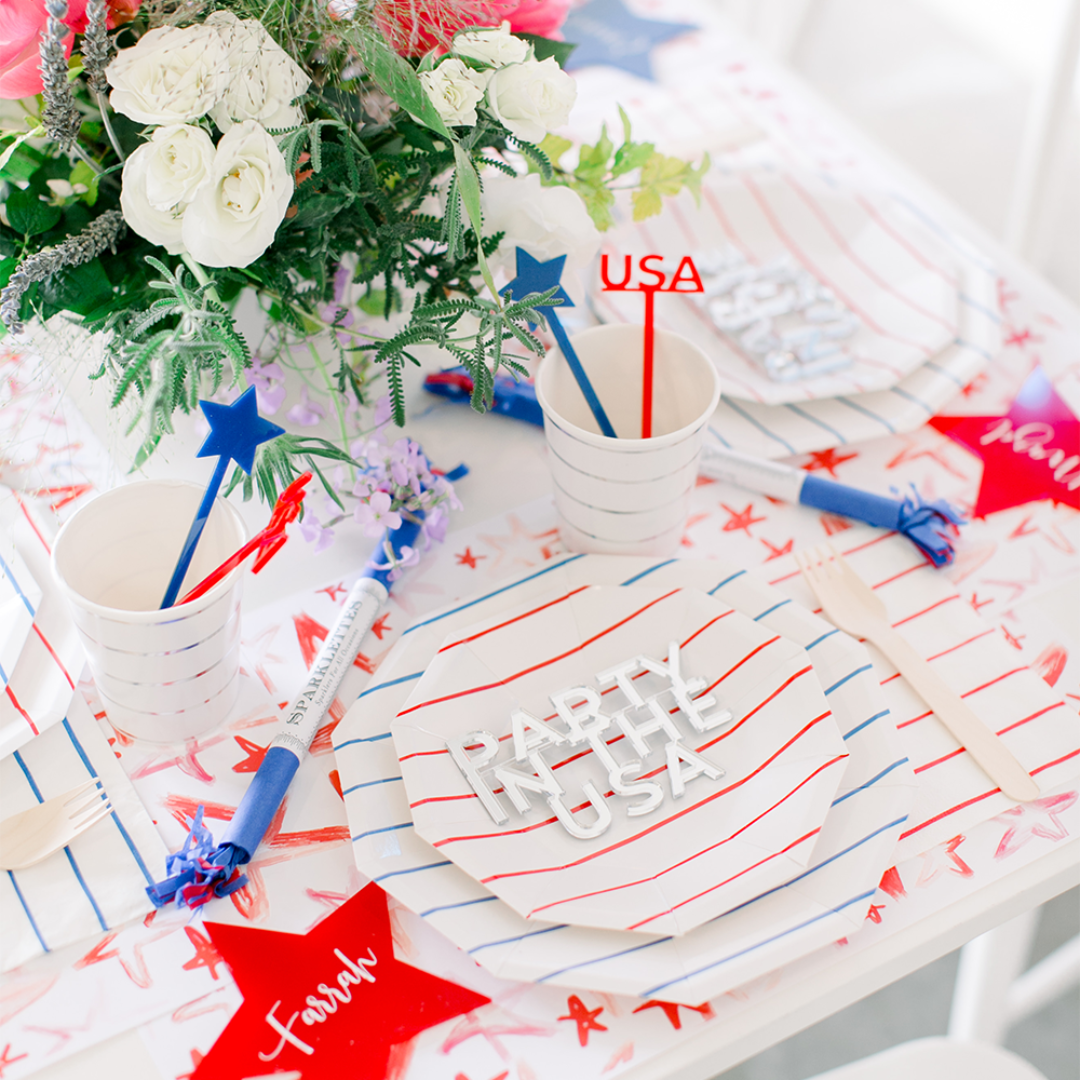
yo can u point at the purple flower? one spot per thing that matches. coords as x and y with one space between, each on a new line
408 556
316 534
269 383
375 515
305 412
435 523
383 411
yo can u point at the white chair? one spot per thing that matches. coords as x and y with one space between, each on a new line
937 1059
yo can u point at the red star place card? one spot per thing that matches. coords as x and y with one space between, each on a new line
329 1003
1031 453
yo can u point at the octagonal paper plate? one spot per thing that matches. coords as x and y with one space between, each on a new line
828 900
634 758
896 277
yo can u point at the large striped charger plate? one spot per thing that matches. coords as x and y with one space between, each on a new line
826 901
663 806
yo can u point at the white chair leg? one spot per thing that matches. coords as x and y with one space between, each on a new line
1049 108
1048 979
988 966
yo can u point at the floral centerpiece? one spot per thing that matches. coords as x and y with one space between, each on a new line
363 167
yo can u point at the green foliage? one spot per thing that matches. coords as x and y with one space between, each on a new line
544 47
280 461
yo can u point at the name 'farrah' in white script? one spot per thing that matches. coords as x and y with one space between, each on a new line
318 1008
639 720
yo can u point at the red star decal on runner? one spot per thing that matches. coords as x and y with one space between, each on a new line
1020 338
1031 453
467 558
671 1011
5 1060
329 1003
827 460
255 754
1038 819
775 552
379 627
333 590
205 954
740 519
874 914
583 1017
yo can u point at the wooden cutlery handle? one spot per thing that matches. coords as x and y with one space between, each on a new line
992 755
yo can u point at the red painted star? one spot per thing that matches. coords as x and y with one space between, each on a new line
740 519
1035 819
333 590
671 1011
329 1003
254 755
775 552
467 558
583 1017
1031 453
874 914
205 954
379 627
827 460
6 1060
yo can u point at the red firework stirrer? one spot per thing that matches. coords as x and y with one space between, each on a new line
685 280
267 542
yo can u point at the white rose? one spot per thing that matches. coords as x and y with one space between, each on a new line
455 90
234 217
532 98
171 76
263 80
545 221
497 47
160 178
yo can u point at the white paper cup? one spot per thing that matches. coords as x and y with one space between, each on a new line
162 675
626 496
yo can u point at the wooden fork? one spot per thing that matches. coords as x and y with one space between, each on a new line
856 609
33 835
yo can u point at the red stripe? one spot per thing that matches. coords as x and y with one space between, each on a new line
903 573
645 832
33 524
725 224
542 664
509 622
790 244
842 242
1034 716
52 653
1015 671
914 719
914 252
750 655
25 715
779 690
953 648
850 551
985 795
947 600
698 854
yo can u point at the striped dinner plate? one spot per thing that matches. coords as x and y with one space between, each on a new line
826 900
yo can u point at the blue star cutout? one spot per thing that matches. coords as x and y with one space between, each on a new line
236 430
534 276
606 32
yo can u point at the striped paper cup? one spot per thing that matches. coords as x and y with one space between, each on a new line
626 496
162 675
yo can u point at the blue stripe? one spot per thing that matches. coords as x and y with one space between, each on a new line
488 596
945 235
26 911
136 854
645 573
726 581
660 941
3 675
29 779
412 870
945 374
11 577
520 937
901 392
450 907
86 889
850 675
768 941
866 723
367 738
388 828
870 783
818 641
384 685
769 611
369 783
993 316
974 348
760 426
814 420
867 412
719 438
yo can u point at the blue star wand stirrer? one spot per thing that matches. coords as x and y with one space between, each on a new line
235 431
534 276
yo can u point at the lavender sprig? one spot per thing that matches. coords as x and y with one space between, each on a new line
62 118
103 232
97 47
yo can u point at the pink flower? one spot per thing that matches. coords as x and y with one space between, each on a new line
540 17
376 515
21 23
